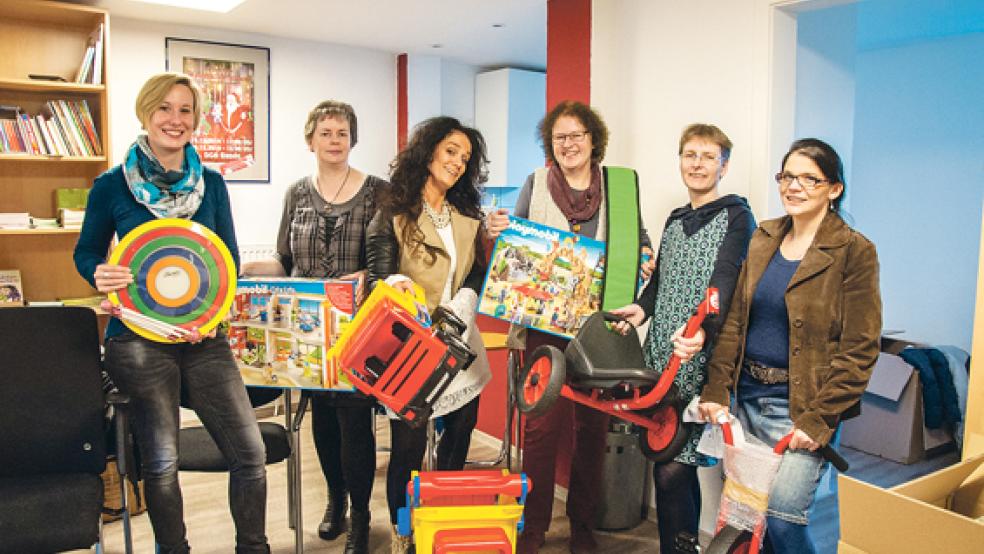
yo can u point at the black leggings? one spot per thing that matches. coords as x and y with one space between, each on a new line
408 445
677 502
346 448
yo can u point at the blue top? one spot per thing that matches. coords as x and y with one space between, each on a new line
767 341
112 209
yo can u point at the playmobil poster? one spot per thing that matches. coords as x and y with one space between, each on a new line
543 278
282 328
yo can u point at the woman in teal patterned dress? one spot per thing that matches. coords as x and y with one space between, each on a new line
703 245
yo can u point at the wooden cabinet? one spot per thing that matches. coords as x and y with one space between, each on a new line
47 38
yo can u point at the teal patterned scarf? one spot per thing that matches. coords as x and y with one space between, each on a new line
165 193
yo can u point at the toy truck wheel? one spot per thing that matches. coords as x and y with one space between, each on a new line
730 540
666 441
542 379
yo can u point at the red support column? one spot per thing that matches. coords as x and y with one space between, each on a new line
401 102
568 78
568 51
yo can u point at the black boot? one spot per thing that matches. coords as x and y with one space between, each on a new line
357 541
333 524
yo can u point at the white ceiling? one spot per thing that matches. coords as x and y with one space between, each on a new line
463 28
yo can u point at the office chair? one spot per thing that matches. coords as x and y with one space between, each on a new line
53 426
198 452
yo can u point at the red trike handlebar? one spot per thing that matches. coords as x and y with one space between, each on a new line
826 450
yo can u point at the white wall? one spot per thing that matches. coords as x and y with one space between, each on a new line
458 91
436 86
899 102
423 89
509 103
492 120
918 182
825 88
302 73
657 67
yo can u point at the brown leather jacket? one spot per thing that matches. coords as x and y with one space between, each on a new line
835 319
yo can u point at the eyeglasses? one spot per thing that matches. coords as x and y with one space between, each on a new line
692 157
577 137
808 182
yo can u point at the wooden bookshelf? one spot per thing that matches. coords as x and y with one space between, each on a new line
58 231
49 87
47 38
51 158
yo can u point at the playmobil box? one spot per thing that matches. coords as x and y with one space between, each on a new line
281 330
543 278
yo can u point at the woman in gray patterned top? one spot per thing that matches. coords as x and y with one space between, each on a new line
703 245
322 235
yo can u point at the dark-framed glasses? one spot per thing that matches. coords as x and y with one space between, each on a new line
577 137
692 157
805 180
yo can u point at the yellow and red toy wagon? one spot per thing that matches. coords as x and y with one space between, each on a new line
464 511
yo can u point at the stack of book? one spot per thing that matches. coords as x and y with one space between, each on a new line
71 219
44 223
66 129
15 220
11 290
90 70
70 205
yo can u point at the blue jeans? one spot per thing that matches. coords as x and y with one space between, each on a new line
154 375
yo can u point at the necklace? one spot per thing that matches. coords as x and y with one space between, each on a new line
331 202
442 219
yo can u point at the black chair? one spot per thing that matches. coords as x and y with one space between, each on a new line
54 428
198 452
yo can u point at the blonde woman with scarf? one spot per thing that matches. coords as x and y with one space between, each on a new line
162 177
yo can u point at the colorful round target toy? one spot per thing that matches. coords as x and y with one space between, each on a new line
183 278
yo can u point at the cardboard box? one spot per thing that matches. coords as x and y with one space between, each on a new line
936 513
137 504
891 420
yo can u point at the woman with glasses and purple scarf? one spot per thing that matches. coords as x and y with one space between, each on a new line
568 194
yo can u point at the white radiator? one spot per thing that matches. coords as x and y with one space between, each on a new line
254 252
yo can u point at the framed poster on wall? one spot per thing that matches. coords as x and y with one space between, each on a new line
234 134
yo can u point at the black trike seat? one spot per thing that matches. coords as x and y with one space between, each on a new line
602 358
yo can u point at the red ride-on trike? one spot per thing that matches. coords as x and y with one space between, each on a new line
605 370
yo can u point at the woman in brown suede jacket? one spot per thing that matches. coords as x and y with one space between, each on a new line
802 334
